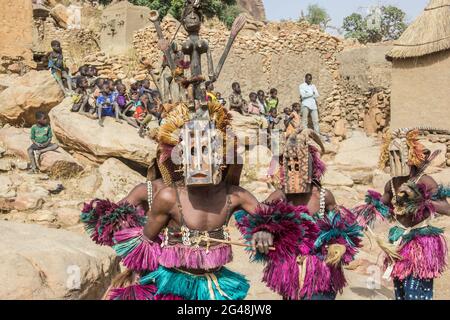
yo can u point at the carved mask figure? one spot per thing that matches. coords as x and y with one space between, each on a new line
201 153
298 163
399 154
192 18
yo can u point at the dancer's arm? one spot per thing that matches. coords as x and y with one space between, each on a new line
261 240
159 216
441 205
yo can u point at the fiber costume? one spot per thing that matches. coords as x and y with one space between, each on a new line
160 267
415 255
307 264
182 263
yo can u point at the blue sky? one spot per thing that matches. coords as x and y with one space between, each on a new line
338 9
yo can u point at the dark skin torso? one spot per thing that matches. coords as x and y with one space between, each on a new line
139 195
311 200
198 214
204 209
442 206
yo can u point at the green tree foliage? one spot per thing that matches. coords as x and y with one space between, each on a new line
225 10
388 24
316 15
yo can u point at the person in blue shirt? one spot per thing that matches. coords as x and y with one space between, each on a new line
107 105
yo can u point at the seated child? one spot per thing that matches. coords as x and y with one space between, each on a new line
253 106
41 137
81 96
58 68
146 112
145 87
95 91
121 98
106 105
220 99
130 109
272 101
134 87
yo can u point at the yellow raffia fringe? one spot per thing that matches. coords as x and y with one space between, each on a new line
384 155
220 116
391 250
416 155
122 280
169 131
301 262
335 254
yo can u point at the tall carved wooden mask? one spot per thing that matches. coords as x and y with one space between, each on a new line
201 153
399 154
297 166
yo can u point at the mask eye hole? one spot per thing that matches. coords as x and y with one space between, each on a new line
192 151
205 150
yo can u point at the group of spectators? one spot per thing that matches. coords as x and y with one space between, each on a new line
267 105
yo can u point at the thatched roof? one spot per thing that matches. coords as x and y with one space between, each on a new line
429 33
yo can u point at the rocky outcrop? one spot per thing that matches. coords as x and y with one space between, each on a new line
35 91
84 135
358 152
254 7
59 162
116 180
41 263
246 127
61 15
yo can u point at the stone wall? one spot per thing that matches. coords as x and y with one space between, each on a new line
118 23
76 43
265 56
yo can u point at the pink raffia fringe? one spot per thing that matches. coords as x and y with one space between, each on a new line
425 207
319 166
321 278
195 258
424 257
137 251
134 292
293 236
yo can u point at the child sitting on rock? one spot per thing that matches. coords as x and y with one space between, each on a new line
253 106
146 112
81 96
41 137
121 98
106 105
58 68
95 91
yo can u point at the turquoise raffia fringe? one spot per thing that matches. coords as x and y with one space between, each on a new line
442 193
196 287
396 232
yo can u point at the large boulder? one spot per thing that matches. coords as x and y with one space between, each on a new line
35 91
61 15
58 162
116 180
42 263
247 127
84 135
333 177
358 152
